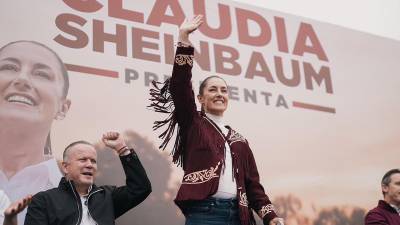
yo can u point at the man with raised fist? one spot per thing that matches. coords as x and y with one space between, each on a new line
77 200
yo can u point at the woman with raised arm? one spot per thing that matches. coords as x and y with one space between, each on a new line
221 184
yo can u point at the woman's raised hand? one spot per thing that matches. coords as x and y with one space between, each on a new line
187 27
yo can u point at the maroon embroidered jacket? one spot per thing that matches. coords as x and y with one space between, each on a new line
383 214
199 146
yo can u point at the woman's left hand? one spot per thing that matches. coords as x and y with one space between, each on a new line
276 221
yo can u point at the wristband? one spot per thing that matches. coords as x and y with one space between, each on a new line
122 148
183 44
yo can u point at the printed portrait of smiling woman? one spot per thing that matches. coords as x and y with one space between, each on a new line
33 90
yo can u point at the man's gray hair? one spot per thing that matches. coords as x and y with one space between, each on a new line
66 150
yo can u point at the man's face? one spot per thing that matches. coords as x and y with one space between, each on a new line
392 191
81 165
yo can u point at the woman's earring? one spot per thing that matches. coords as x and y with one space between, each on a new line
202 109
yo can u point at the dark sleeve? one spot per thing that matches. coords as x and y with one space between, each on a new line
137 187
375 218
181 86
37 213
258 200
175 97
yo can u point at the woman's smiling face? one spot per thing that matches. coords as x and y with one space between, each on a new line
214 96
31 84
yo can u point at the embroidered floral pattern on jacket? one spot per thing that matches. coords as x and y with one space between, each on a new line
235 136
243 200
265 210
184 59
201 176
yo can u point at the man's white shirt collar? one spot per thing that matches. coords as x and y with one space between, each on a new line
396 208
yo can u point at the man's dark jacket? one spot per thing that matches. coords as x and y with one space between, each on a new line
62 205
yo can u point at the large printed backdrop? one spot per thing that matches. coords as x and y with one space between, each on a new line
318 103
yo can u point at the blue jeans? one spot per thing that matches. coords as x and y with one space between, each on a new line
213 211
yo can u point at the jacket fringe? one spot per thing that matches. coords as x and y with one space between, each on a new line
162 102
